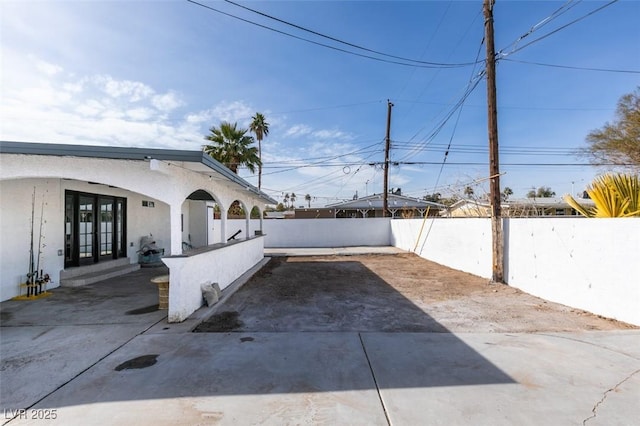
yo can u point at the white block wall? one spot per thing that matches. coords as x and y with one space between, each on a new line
222 265
459 243
326 232
590 264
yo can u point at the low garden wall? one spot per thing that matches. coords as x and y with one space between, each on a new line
216 264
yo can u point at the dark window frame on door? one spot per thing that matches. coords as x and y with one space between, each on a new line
95 228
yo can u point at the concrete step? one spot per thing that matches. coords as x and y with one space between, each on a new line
93 276
96 267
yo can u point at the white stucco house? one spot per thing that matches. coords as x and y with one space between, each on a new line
86 209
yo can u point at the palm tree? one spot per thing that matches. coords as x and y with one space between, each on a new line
260 128
232 147
308 199
286 199
293 199
614 195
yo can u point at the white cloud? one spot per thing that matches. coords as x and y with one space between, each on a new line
92 110
46 67
140 114
166 102
131 90
199 117
237 111
298 130
331 134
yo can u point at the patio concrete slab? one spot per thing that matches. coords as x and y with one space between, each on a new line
62 354
258 378
506 379
358 378
47 342
38 360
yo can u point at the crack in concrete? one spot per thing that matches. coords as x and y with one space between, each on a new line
588 343
604 397
81 372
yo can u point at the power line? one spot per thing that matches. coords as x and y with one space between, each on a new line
469 89
571 67
282 21
323 162
501 55
413 64
512 164
554 15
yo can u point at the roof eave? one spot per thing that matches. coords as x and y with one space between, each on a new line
128 153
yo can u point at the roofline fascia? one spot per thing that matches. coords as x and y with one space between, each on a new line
128 153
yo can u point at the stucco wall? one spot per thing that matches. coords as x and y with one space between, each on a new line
222 265
15 238
15 225
141 221
326 232
590 264
459 243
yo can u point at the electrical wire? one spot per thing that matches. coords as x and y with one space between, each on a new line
470 88
501 55
299 27
571 67
555 14
413 64
320 162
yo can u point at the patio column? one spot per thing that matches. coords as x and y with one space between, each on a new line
176 227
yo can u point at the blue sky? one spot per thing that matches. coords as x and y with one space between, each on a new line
160 73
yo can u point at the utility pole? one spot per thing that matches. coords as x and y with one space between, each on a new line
494 165
387 147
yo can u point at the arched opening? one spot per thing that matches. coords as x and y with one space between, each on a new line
199 221
238 221
256 217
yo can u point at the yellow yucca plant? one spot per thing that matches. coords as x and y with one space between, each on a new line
614 195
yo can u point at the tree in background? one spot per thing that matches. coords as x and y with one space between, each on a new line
232 147
292 198
308 200
506 193
618 142
434 198
286 199
542 192
260 128
468 192
614 195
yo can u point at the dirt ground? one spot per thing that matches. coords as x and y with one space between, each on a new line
388 293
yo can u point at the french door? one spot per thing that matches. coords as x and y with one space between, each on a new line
95 228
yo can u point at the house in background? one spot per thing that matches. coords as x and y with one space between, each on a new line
89 207
371 206
522 207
